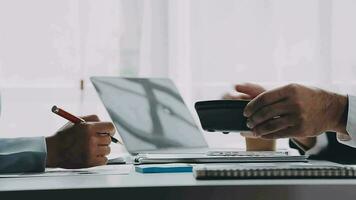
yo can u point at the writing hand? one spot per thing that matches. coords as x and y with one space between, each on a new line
80 145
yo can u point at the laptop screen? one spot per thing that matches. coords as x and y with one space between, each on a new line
149 114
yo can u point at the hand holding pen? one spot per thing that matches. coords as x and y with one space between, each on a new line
80 145
74 119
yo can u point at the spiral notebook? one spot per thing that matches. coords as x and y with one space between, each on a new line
273 171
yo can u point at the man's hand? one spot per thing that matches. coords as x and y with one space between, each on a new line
247 91
80 145
296 111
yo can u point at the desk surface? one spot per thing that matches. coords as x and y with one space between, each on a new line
152 184
135 180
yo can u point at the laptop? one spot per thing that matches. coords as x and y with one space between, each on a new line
156 126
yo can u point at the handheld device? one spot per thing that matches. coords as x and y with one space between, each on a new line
222 115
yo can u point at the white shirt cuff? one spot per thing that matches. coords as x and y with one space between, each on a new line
351 125
320 144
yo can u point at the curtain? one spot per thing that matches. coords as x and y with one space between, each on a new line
206 46
57 43
46 48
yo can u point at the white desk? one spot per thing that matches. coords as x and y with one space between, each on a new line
175 186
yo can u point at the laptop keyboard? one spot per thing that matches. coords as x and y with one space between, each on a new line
248 153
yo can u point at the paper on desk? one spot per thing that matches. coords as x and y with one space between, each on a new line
101 170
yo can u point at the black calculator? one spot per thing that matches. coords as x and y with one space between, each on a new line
222 115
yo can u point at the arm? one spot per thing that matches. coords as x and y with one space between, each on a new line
22 155
348 137
73 146
332 151
307 112
296 111
322 145
339 148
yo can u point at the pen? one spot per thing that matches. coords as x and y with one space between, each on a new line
74 119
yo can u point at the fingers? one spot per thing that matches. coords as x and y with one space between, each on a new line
97 155
84 144
263 100
228 96
102 161
91 118
268 113
237 97
103 127
99 160
250 89
103 139
103 151
284 133
248 134
274 125
243 97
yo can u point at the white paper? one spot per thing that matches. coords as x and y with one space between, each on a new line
53 172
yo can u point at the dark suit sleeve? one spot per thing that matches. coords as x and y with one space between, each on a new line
335 151
22 155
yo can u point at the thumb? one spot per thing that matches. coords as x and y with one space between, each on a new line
248 134
250 89
237 97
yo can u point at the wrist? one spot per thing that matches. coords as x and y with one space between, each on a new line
51 145
338 117
305 143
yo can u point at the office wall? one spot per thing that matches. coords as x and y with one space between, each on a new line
205 46
46 48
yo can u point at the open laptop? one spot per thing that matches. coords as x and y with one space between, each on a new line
156 126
